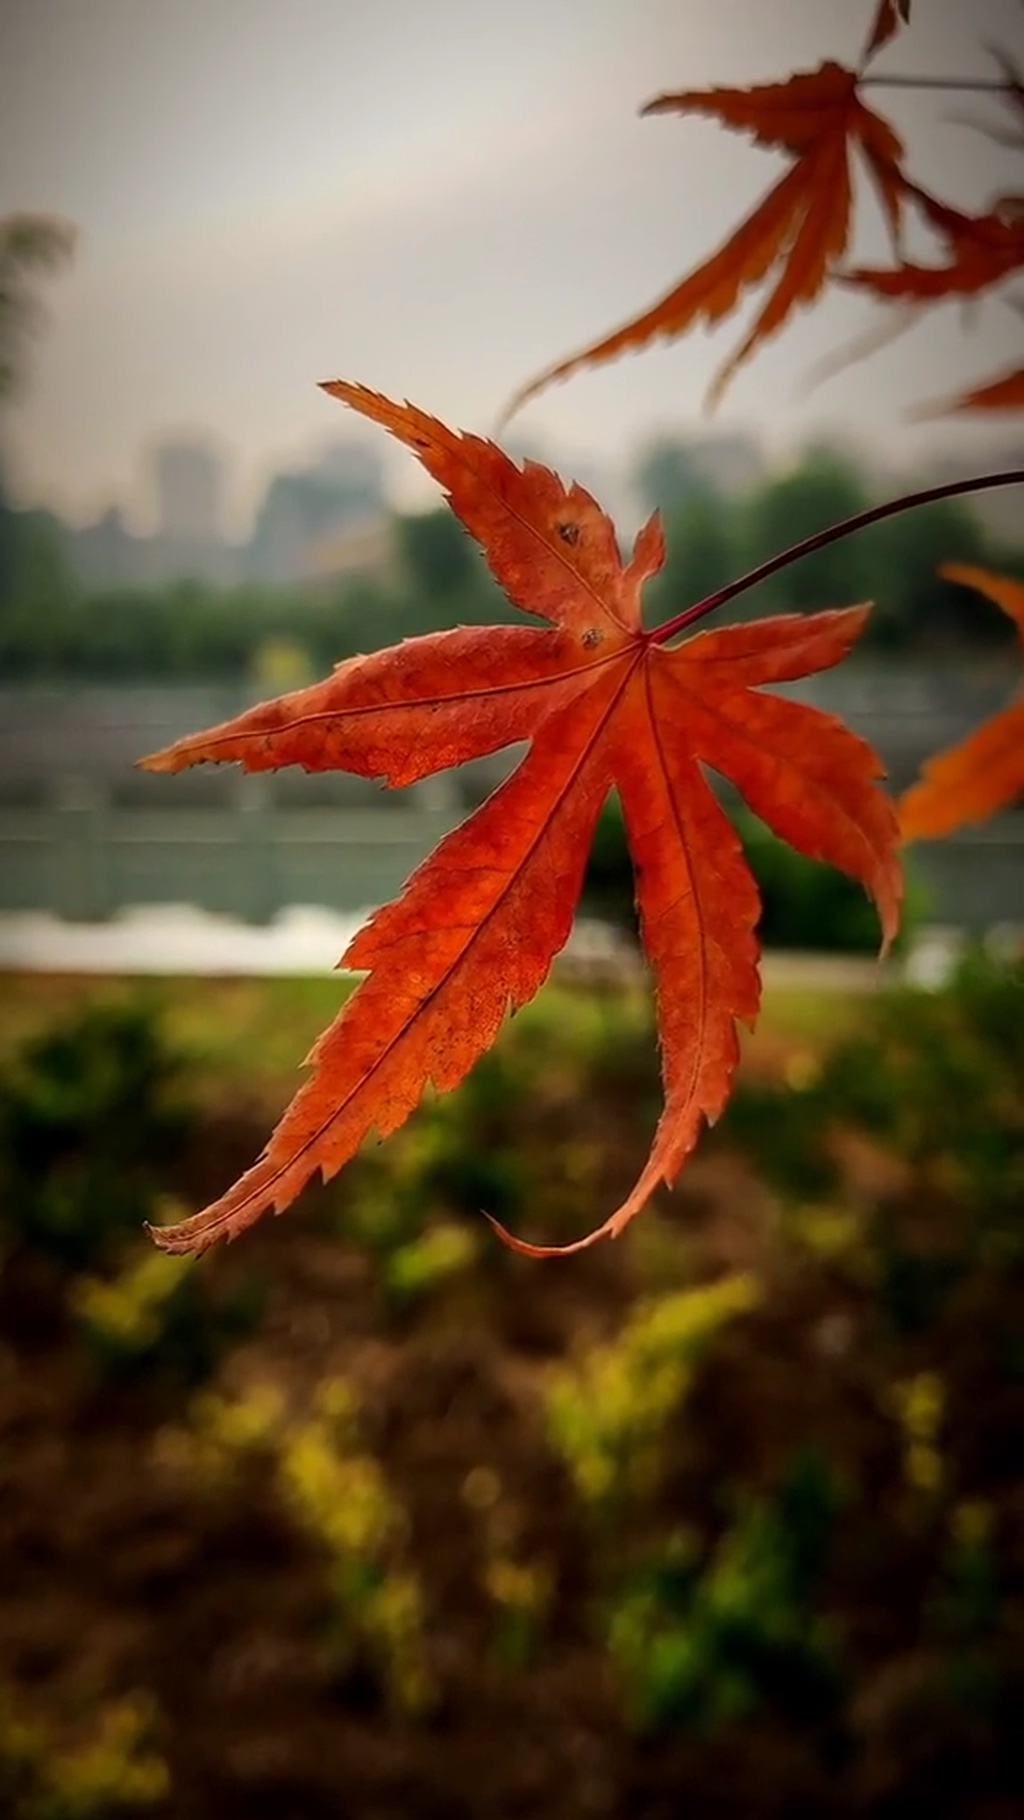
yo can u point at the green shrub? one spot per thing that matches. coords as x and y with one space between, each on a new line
934 1080
704 1641
939 1077
91 1115
805 905
464 1153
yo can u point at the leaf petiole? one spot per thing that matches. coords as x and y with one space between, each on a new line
979 483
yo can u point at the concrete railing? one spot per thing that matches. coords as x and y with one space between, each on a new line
84 835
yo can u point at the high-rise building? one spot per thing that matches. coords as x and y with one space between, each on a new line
189 477
304 512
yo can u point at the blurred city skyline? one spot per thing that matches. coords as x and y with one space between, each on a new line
439 202
328 514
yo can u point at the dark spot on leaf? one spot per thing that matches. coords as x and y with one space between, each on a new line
569 533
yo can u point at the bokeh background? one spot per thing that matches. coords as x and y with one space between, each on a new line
364 1515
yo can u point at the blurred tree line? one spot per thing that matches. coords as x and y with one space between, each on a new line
711 539
50 627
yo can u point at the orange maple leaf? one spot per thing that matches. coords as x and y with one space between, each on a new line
801 228
603 703
890 16
985 772
1003 394
981 251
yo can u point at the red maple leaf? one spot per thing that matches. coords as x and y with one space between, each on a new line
985 771
801 229
603 703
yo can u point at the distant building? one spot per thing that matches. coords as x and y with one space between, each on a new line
314 523
106 554
306 511
188 544
189 479
366 549
356 469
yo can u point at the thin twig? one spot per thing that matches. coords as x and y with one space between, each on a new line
951 489
964 85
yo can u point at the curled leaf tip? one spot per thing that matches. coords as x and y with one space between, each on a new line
524 1249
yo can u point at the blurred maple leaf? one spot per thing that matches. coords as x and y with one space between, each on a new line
981 250
603 703
801 228
890 16
985 771
1003 394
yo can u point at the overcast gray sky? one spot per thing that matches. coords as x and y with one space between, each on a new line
437 199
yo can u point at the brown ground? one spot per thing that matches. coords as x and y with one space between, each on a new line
117 1574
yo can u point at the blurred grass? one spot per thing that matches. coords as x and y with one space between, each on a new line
243 1033
254 1034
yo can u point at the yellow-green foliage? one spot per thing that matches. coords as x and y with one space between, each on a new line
420 1266
918 1403
338 1498
114 1771
971 1524
521 1594
832 1234
519 1590
125 1315
224 1432
965 1607
606 1415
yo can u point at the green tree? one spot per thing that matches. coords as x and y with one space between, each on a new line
436 555
667 474
702 552
31 246
821 489
914 605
